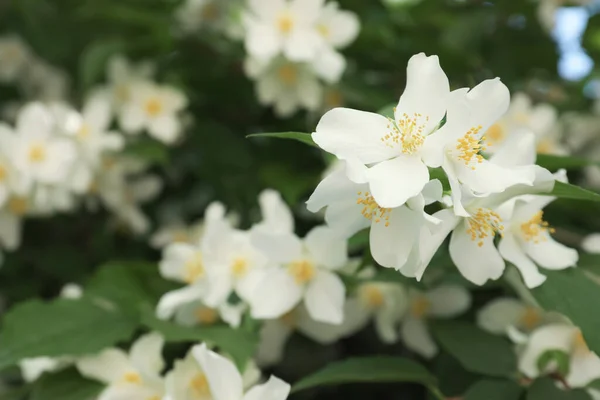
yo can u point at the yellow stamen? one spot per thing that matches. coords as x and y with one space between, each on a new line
545 146
371 210
194 268
132 377
239 267
495 134
407 131
206 316
484 223
323 30
83 132
18 206
288 74
3 173
420 306
199 384
303 271
37 153
469 147
531 318
285 23
579 344
534 229
153 107
371 295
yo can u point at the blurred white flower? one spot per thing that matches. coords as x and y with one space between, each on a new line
14 57
591 243
175 232
198 313
122 75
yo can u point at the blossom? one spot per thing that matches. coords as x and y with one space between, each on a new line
222 380
304 271
445 301
133 376
14 56
283 27
194 15
393 149
583 364
154 108
175 232
591 243
286 85
122 75
197 313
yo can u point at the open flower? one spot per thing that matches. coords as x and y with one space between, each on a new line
304 271
122 75
446 301
134 376
392 148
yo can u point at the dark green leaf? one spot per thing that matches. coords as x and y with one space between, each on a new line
590 262
150 151
494 389
92 63
567 191
369 370
63 327
65 385
554 162
546 389
387 111
305 138
571 293
476 350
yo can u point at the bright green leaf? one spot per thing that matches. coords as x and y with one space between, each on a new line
305 138
546 389
476 350
65 385
571 293
369 370
567 191
93 60
494 389
62 327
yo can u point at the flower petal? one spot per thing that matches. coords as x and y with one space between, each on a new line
549 337
277 216
274 389
591 243
325 297
276 294
224 380
280 248
391 245
512 252
448 301
417 338
550 254
395 181
273 338
107 366
327 247
171 301
499 314
146 355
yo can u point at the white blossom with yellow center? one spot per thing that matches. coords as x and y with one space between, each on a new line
133 375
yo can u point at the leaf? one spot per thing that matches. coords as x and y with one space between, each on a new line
369 370
476 350
63 327
546 389
554 162
305 138
567 191
238 344
574 295
92 62
150 151
65 385
590 262
387 111
494 389
554 357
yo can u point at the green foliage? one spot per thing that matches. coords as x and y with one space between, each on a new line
299 136
568 191
65 385
493 389
546 389
556 358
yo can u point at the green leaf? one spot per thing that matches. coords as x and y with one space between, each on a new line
567 191
546 389
150 151
571 293
387 111
553 162
62 327
590 262
476 350
65 385
555 357
369 370
305 138
93 60
494 389
240 345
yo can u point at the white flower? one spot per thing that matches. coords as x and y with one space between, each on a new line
469 115
446 301
14 56
222 381
134 376
277 217
175 232
11 220
193 15
33 368
198 313
392 148
283 27
39 153
154 108
584 365
591 243
9 176
122 75
286 85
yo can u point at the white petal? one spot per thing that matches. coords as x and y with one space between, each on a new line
550 254
108 366
392 244
488 101
516 150
306 11
33 368
146 355
488 177
262 41
280 248
426 93
512 252
224 380
273 337
34 120
219 287
274 389
97 112
165 128
324 298
550 337
277 216
395 181
329 65
266 10
353 134
448 301
591 243
277 294
132 119
355 318
433 191
310 92
476 263
10 230
327 247
170 302
417 338
499 314
583 369
343 28
302 45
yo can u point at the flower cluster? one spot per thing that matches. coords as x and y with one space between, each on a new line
391 169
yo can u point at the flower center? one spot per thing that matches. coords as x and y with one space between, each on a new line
323 30
153 107
206 315
37 153
530 318
3 173
83 132
285 23
372 296
302 271
199 385
495 134
484 223
132 377
579 344
288 74
407 131
534 229
371 210
545 146
239 267
18 206
420 306
194 268
469 146
122 92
